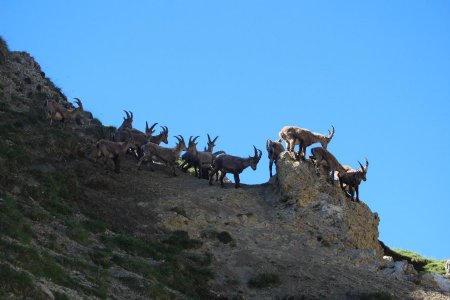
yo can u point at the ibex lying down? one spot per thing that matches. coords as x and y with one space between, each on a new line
352 179
167 155
57 112
319 154
274 149
114 150
235 165
293 135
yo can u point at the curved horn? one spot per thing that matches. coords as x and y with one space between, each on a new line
131 113
360 164
209 138
179 140
260 154
330 136
256 152
215 139
128 115
195 138
146 126
268 142
367 165
78 101
153 126
165 129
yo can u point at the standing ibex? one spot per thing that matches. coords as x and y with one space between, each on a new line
293 135
56 111
114 150
319 154
161 137
190 159
274 149
232 164
200 159
167 155
352 179
127 122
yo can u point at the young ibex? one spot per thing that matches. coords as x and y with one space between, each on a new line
232 164
274 149
352 180
114 150
293 135
56 111
319 154
167 155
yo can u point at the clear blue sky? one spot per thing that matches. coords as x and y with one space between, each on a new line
379 71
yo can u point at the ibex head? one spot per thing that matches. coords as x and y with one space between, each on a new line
212 143
181 142
327 139
128 121
151 130
256 158
78 102
165 134
364 170
192 144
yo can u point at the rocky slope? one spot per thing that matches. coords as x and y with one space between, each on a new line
72 228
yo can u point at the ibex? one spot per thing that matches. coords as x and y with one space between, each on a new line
127 122
140 138
232 164
161 137
352 179
319 154
200 159
168 155
190 160
274 149
56 111
293 135
114 150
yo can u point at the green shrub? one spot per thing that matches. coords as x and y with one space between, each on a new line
264 280
422 263
18 282
77 232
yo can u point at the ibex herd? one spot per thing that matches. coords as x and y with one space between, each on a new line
146 147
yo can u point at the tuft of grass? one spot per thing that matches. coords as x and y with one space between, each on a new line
18 282
264 280
180 240
422 263
77 232
224 237
94 226
12 221
101 257
180 211
131 245
376 296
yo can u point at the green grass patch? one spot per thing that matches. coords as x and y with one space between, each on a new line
94 226
12 221
77 232
131 245
422 263
180 211
18 283
180 240
264 280
376 296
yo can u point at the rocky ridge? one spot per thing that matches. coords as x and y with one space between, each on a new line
298 230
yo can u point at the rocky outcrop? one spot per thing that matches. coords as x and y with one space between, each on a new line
341 222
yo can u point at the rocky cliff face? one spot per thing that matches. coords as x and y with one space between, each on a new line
73 228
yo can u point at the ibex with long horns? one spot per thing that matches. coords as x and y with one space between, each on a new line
233 164
167 155
293 135
114 150
352 180
57 112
